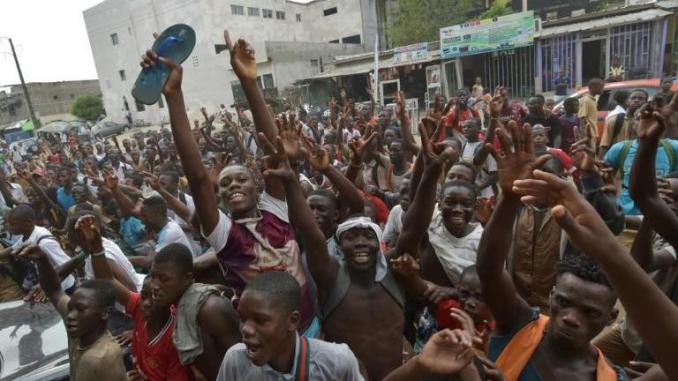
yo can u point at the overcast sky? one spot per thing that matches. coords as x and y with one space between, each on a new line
50 39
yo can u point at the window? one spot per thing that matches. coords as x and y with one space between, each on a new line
238 92
298 17
140 106
315 66
238 10
251 11
267 13
330 11
114 39
268 81
280 15
123 77
334 42
355 39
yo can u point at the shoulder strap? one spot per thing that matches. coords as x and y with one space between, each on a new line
391 286
622 156
339 290
618 124
303 360
515 356
45 237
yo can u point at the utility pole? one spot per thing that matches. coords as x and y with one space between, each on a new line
36 122
524 5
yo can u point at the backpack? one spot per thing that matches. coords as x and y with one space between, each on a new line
668 149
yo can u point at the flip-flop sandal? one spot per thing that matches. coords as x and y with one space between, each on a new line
176 43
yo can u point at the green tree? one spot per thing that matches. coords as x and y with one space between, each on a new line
497 9
88 107
420 20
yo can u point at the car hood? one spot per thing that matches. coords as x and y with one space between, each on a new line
33 342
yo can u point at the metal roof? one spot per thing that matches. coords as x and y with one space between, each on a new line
606 22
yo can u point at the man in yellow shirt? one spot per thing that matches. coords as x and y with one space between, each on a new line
588 107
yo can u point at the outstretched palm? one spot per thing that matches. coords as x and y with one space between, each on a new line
516 160
444 354
651 124
317 156
290 134
243 61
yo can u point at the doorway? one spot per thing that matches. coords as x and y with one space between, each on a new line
593 59
389 91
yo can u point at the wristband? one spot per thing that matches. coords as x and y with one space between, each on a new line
102 252
82 255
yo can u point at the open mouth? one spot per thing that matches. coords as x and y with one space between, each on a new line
361 257
236 196
252 349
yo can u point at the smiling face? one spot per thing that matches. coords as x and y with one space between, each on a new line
266 328
360 247
84 315
238 190
456 205
580 309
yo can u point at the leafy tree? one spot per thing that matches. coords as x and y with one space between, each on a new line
88 107
497 9
420 20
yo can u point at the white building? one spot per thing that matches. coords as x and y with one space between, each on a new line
292 40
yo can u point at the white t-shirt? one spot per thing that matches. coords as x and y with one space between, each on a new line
172 233
113 252
394 225
455 254
52 248
490 165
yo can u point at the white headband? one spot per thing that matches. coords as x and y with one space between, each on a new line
362 223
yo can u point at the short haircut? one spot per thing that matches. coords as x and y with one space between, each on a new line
174 175
620 96
540 97
103 291
279 287
156 203
569 101
596 82
176 254
398 141
22 212
325 193
582 267
468 165
640 91
462 184
474 121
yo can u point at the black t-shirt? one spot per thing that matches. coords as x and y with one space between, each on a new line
551 121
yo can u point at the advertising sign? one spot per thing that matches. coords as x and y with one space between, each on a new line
410 54
481 36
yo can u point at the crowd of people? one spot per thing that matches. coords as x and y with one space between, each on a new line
501 244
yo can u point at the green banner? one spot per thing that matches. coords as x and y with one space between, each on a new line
481 36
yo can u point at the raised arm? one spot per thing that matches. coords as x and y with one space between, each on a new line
244 65
495 110
508 308
653 314
172 202
358 148
199 180
405 124
127 207
90 236
643 182
319 159
323 267
418 216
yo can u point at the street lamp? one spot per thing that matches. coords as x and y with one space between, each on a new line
31 112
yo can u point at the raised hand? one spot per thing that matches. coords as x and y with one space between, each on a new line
496 105
400 105
447 352
290 133
435 153
243 61
571 210
584 156
651 125
516 159
437 113
111 181
317 156
87 229
406 266
277 164
359 146
173 84
152 180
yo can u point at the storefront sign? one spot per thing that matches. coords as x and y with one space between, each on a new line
410 54
480 36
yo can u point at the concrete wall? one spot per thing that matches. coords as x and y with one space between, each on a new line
49 98
207 75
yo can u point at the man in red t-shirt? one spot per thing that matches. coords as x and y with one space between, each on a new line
156 356
458 115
